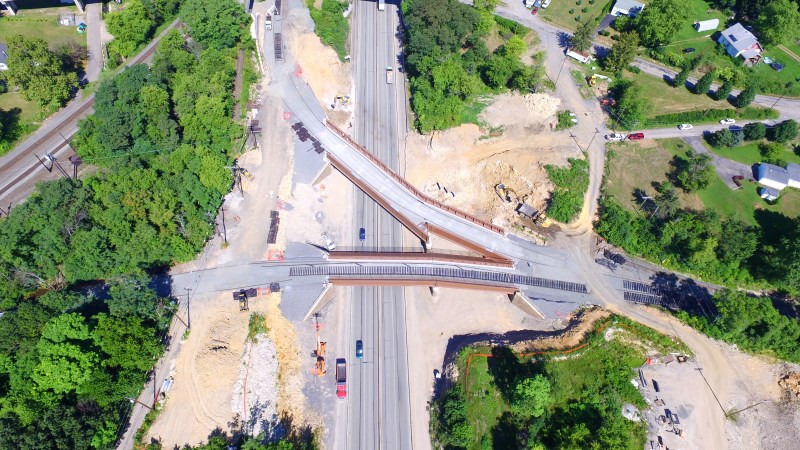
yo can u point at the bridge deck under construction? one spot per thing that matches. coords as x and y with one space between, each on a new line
402 272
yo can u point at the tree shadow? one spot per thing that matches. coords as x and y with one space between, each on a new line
505 434
506 369
683 293
563 39
11 121
774 228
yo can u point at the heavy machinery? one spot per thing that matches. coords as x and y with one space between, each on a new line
592 80
505 193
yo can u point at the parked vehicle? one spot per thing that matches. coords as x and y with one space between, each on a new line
389 75
341 378
685 126
362 234
689 50
546 3
268 22
359 349
329 244
615 137
537 3
635 136
727 121
534 10
528 3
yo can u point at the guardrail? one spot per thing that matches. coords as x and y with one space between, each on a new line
402 181
387 272
364 255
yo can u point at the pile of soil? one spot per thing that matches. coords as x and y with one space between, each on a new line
791 383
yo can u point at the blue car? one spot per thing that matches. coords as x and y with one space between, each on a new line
362 234
359 349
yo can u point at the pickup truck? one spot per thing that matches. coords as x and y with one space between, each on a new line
268 22
341 378
389 75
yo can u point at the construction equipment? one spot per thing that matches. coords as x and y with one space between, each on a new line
505 193
592 80
241 297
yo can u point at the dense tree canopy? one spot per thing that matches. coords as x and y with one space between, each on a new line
632 106
130 27
622 52
660 21
778 21
38 71
227 28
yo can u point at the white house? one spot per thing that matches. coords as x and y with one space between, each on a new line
739 42
580 56
706 25
779 178
628 8
768 194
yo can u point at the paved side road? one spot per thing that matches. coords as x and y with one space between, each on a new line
94 65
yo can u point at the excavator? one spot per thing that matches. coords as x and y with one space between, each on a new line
505 193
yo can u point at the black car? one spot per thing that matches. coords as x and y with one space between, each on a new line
688 50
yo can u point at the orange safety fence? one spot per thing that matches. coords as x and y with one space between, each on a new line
547 352
346 137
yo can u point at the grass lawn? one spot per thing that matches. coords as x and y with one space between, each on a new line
33 23
27 120
559 12
699 10
667 99
749 154
635 166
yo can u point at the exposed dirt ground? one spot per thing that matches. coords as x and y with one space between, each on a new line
467 162
431 328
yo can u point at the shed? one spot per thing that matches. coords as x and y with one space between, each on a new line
768 194
628 8
706 25
580 56
3 56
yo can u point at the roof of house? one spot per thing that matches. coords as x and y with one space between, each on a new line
3 53
738 37
775 173
629 5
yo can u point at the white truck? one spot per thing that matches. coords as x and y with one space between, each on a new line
389 75
381 5
268 22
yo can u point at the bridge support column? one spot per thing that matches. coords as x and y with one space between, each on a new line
80 5
435 291
524 303
324 297
10 6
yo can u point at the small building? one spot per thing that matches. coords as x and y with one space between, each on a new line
706 25
579 55
768 194
739 42
779 178
3 56
628 8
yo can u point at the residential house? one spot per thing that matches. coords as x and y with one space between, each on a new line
739 42
628 8
706 25
779 178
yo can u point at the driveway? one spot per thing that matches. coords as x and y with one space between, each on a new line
725 168
94 46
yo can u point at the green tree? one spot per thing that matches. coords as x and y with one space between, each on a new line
666 200
704 83
582 38
660 21
531 397
228 27
722 138
39 72
456 428
632 106
773 153
486 5
65 362
724 90
738 242
514 47
499 70
695 172
130 27
784 131
746 96
754 131
622 52
680 78
778 22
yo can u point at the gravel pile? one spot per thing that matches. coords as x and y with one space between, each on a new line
255 394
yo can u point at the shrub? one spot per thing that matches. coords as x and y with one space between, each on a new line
680 78
746 96
579 2
331 27
570 185
605 33
724 90
704 83
591 2
615 37
634 69
772 152
711 115
585 10
755 131
577 18
784 131
572 11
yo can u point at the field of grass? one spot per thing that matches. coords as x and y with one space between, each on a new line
749 154
634 166
559 12
34 24
667 99
20 118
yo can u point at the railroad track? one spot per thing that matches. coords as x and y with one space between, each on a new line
80 112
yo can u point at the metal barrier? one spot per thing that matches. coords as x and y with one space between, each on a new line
640 287
642 299
435 273
346 137
437 256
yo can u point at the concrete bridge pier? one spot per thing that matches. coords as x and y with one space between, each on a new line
10 6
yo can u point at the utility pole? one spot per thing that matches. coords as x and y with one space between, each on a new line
188 309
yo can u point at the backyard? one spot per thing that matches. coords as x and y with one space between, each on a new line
749 153
568 13
638 165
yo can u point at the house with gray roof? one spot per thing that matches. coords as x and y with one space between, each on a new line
739 42
628 8
778 178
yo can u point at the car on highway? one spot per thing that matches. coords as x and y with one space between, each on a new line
635 136
362 234
534 10
727 121
689 50
685 126
359 349
615 137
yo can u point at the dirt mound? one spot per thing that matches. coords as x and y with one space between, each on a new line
521 114
221 352
572 336
791 383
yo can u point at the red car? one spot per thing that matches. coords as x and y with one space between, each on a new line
534 10
635 136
